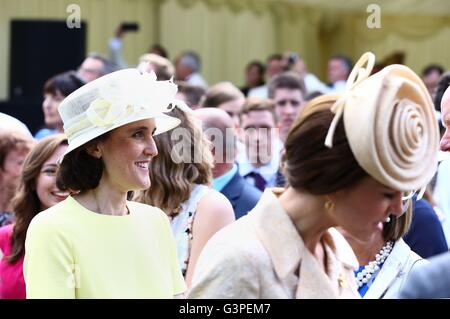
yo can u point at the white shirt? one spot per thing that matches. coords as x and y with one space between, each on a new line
338 87
267 171
312 84
197 79
259 91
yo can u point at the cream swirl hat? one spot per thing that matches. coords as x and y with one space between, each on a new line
114 100
389 123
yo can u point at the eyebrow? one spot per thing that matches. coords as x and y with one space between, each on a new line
49 165
139 128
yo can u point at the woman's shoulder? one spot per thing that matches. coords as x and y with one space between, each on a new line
215 208
237 238
215 200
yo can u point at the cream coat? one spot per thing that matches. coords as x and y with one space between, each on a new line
261 255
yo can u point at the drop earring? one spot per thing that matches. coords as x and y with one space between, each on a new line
329 205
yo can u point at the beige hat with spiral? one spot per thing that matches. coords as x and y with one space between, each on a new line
390 124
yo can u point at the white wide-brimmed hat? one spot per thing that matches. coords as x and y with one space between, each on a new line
114 100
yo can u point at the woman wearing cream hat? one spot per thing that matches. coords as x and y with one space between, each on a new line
96 244
348 159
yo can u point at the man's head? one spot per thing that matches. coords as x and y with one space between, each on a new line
258 122
287 90
430 77
162 67
274 65
445 118
225 96
219 128
95 66
339 67
191 94
14 147
186 64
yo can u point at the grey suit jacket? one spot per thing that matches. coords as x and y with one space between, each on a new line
429 281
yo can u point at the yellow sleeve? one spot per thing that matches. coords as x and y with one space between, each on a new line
49 268
179 285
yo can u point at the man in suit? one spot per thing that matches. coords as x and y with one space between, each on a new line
433 280
219 127
261 162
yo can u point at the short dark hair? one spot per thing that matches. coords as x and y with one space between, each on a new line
65 83
345 59
275 56
432 68
80 171
159 49
286 80
443 84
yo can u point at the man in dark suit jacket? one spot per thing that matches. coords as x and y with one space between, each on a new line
243 196
425 236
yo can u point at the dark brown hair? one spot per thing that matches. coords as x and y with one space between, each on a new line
286 80
26 203
311 166
64 83
80 171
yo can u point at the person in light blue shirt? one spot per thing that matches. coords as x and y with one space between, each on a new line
55 90
218 125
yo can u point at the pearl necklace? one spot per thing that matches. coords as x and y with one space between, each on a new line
364 276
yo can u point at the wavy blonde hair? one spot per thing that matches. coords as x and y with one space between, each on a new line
172 182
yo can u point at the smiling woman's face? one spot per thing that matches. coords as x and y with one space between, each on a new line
46 189
126 155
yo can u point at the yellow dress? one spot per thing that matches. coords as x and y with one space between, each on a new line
72 252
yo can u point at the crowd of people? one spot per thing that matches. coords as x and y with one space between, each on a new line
146 182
